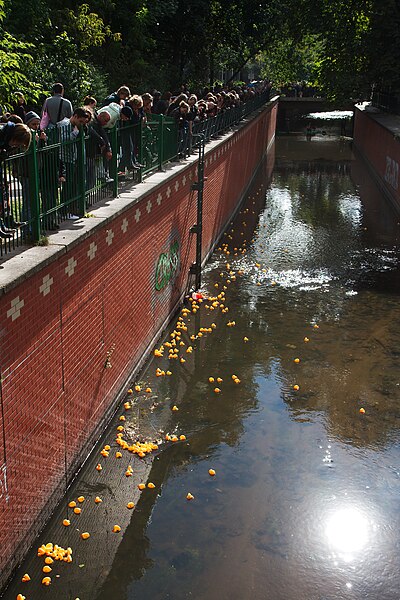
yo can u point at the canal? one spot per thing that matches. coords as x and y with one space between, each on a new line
299 330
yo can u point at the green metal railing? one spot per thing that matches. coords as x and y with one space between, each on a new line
62 176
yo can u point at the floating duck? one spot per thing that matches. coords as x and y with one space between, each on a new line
46 580
296 388
25 578
47 569
116 528
130 505
211 472
66 522
98 500
151 485
85 535
189 496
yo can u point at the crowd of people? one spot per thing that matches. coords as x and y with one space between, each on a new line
59 121
298 89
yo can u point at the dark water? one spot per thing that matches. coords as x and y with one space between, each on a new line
305 503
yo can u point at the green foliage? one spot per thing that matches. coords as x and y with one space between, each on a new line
95 46
90 30
62 62
16 61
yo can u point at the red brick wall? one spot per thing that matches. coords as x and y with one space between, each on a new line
380 149
98 297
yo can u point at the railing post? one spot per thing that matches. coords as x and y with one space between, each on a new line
34 190
114 159
81 174
161 142
140 149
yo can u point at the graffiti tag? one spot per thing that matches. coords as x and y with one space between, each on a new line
392 172
167 266
3 483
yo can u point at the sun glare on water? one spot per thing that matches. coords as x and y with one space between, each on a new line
347 531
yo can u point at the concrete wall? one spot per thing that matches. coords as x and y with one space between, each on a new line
377 139
79 315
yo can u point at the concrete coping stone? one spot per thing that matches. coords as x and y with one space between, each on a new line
26 261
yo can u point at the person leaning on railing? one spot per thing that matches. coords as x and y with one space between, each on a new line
11 118
20 168
120 96
68 131
12 136
162 105
184 120
98 145
147 104
138 115
175 102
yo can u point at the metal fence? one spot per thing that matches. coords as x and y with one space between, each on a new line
62 176
386 101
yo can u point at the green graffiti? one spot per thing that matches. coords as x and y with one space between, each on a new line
167 266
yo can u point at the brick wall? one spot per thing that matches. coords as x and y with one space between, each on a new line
98 299
375 140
